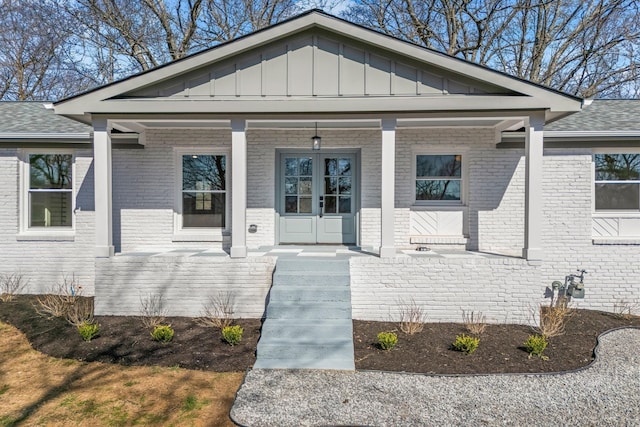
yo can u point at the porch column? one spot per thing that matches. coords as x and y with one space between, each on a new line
102 188
387 188
533 200
238 189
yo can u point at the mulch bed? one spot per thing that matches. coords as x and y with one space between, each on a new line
126 341
500 349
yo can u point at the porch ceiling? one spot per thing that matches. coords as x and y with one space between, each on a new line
496 122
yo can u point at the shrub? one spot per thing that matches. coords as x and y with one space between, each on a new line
88 331
535 345
162 333
623 309
80 312
152 312
412 317
11 285
232 334
466 343
553 319
60 299
474 322
218 311
387 340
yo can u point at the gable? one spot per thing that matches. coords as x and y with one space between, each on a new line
316 63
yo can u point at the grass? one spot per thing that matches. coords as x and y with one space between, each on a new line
40 390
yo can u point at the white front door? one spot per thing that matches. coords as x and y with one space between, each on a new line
317 198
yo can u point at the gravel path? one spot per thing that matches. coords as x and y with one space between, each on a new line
605 394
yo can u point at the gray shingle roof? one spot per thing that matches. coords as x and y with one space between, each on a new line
602 115
33 117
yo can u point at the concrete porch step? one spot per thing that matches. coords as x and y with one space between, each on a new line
305 351
280 331
301 264
337 363
311 293
307 310
292 278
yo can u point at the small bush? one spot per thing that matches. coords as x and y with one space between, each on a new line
387 340
412 317
88 331
553 319
80 312
623 309
218 311
232 334
475 323
152 312
60 299
535 345
162 333
11 285
466 343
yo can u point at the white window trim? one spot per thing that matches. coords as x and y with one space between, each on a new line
43 233
199 234
610 212
464 173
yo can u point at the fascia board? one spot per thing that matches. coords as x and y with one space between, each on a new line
18 136
319 105
555 101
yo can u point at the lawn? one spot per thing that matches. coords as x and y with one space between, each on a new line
40 390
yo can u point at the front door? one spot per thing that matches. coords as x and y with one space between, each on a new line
317 198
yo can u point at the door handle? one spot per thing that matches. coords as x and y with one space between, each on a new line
321 206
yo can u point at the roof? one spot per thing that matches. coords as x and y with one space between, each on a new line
34 118
129 99
602 115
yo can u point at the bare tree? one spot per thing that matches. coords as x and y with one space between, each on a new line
584 47
34 64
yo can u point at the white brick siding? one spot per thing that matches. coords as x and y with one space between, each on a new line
504 288
500 288
44 263
184 283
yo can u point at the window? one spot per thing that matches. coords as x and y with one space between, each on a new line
50 191
617 181
203 191
438 178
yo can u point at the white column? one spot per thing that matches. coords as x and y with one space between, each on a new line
102 188
238 189
533 200
387 189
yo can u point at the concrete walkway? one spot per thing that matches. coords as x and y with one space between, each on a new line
605 394
308 318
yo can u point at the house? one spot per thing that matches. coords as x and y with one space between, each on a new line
174 180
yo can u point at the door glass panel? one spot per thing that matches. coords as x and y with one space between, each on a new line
305 204
345 205
298 185
330 186
291 204
291 166
330 166
306 166
305 186
291 185
344 167
337 182
345 185
330 204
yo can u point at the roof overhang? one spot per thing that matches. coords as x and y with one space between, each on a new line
111 100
